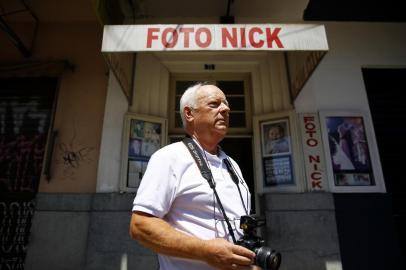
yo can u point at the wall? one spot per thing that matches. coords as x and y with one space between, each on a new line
108 173
80 105
337 82
150 96
303 228
85 231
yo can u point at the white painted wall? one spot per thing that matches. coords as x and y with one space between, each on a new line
150 95
337 82
108 173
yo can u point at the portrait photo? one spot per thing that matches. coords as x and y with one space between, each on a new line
275 137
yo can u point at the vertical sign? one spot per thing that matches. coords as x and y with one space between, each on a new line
313 152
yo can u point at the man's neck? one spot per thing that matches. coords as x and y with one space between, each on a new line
208 145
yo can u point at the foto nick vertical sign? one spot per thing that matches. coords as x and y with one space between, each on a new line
313 152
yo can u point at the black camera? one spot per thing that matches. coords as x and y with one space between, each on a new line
266 258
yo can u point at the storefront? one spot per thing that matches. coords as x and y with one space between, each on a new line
321 187
260 67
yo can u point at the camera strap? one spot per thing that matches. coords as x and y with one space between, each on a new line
206 173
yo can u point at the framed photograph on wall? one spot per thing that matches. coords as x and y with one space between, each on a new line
277 165
351 152
142 136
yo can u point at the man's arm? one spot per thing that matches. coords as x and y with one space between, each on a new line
158 235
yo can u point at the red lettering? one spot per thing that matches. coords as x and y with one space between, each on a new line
314 159
173 38
243 41
231 38
273 37
310 126
151 36
199 39
316 176
310 133
251 34
186 31
312 142
308 118
316 184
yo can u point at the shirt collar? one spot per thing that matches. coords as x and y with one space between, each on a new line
213 158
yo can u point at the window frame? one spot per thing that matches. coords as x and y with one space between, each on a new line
245 77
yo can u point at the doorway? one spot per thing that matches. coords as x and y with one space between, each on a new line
385 89
240 149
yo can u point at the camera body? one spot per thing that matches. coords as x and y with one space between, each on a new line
265 256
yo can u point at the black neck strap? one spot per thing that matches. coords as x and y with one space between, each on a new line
197 156
206 173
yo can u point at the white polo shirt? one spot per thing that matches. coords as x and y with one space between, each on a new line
173 189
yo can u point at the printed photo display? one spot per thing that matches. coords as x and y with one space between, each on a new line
276 153
350 155
144 140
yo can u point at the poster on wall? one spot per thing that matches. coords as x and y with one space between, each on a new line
276 152
351 153
276 163
143 135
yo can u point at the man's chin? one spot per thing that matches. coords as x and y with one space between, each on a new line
222 130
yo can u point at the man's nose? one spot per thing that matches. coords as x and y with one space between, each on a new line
224 107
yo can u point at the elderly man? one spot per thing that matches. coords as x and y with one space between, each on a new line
175 212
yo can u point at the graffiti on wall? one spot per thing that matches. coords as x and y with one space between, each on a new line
73 155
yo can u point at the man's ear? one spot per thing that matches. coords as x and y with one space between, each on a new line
188 113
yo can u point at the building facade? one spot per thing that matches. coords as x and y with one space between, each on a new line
68 181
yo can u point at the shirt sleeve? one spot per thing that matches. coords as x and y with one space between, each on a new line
157 190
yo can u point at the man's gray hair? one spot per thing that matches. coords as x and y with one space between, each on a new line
189 99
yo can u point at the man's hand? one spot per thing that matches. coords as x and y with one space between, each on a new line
224 255
161 237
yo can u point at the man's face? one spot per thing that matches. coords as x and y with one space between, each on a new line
212 112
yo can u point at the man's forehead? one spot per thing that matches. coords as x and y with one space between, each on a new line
209 90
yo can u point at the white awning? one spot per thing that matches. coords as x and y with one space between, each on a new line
304 44
214 37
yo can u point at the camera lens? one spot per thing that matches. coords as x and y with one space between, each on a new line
268 258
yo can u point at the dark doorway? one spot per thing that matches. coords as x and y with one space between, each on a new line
371 227
387 104
240 149
25 115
